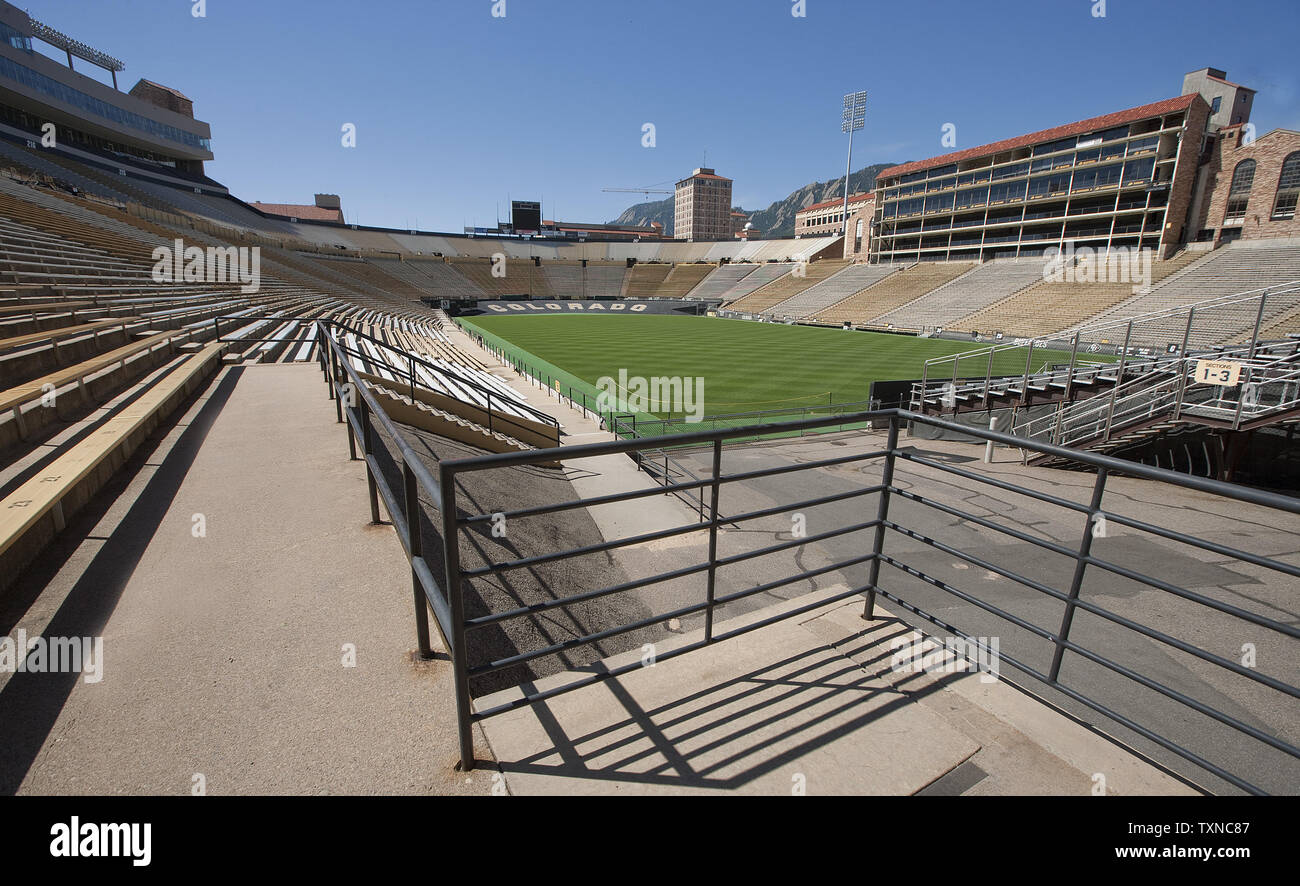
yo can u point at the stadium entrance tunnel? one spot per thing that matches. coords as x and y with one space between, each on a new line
1056 587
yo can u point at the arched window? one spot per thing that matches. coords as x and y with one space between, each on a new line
1288 188
1239 193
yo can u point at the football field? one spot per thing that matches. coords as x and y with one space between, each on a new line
746 366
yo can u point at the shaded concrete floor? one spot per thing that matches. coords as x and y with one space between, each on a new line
224 654
806 705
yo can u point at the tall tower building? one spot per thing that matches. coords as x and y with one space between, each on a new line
702 207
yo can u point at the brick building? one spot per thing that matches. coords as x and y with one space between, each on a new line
702 207
823 219
1156 176
1122 179
1252 187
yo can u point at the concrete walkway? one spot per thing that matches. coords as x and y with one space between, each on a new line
224 654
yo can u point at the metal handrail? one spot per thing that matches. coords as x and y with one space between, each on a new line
1074 336
445 594
1128 400
495 417
540 416
404 513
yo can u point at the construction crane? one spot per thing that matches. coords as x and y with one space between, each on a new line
646 191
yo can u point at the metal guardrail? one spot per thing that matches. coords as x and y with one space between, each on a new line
1269 385
1141 333
497 419
445 595
666 470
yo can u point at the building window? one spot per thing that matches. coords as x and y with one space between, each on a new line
16 39
1214 105
1239 193
1288 188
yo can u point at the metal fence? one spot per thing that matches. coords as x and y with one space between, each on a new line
1139 341
444 591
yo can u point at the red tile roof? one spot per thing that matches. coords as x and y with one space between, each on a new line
839 201
721 178
1168 106
291 210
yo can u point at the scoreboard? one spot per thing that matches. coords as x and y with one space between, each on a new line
525 216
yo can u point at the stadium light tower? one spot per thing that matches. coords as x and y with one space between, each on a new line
855 117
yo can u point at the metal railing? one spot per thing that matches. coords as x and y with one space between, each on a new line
1269 385
445 594
576 396
1139 341
496 418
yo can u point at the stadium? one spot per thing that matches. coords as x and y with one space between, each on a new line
984 483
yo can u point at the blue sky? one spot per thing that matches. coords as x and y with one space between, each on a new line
457 112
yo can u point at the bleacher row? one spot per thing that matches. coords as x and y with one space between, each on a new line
1006 296
1012 297
97 350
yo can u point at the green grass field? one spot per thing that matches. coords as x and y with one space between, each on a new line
747 367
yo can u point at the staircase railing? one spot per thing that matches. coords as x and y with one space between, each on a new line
942 376
1268 384
497 418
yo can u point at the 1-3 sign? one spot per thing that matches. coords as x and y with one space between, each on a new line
1218 372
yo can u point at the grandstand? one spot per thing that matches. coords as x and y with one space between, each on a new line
831 291
682 281
965 294
1049 307
887 294
646 281
1240 267
762 295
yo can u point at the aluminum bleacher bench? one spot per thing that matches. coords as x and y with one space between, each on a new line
108 445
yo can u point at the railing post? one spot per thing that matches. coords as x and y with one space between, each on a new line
456 602
334 385
882 514
367 445
1080 564
1187 333
710 586
956 365
1119 380
1024 383
415 544
352 437
1182 389
1259 320
988 378
1241 399
1069 375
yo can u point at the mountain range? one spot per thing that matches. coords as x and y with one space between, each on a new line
776 220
